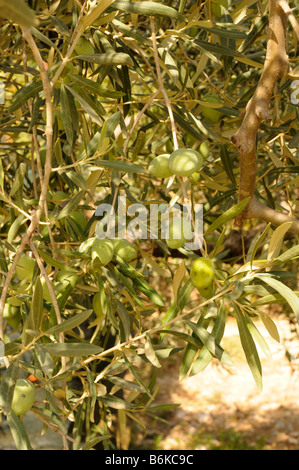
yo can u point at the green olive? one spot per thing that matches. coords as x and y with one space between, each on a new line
204 150
208 292
211 114
25 267
194 178
159 168
124 249
23 396
179 233
202 273
97 304
184 162
12 315
102 251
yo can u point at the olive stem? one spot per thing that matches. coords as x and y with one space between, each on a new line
161 86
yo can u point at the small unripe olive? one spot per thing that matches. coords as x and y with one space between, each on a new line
124 249
97 304
102 251
184 162
12 315
211 114
179 233
23 396
25 267
159 168
204 150
202 273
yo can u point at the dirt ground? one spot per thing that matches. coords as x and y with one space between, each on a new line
219 408
224 409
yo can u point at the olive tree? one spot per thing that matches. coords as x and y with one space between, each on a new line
110 112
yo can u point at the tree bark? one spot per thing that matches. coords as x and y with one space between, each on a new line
257 110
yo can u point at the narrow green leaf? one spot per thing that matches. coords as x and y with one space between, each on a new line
126 384
7 385
19 179
228 215
291 253
70 323
66 114
95 88
150 352
209 341
290 297
19 12
227 164
217 48
14 228
72 349
178 304
87 108
108 58
148 291
44 39
116 403
71 205
18 432
25 93
77 179
270 326
255 32
118 165
249 348
134 373
204 357
60 26
55 263
148 8
257 244
256 335
276 240
125 319
36 309
94 441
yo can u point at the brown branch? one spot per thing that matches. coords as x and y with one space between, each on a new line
290 15
258 210
257 110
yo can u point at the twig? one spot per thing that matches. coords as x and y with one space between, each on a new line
77 33
161 86
140 114
290 15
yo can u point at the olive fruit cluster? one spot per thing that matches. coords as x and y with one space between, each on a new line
181 162
103 250
202 274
